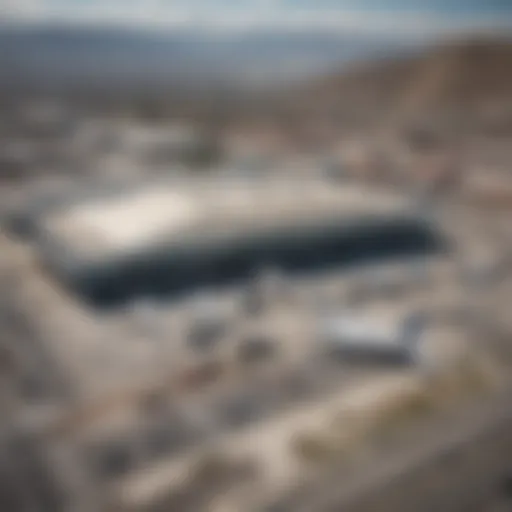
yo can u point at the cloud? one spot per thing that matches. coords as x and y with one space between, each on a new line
20 9
231 15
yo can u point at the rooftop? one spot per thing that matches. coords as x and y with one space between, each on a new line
163 213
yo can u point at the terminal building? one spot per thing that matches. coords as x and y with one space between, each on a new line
163 240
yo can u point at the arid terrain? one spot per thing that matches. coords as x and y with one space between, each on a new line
292 299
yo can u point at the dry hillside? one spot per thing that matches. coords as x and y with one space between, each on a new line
459 75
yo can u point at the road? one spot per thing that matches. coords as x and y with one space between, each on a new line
458 463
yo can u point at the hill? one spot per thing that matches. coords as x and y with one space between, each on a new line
459 76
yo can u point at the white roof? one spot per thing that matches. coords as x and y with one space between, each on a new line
163 212
126 223
381 327
353 329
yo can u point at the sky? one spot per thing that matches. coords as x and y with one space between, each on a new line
409 17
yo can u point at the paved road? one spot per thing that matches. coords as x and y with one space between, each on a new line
457 464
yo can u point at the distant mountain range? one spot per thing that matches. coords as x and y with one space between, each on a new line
57 57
